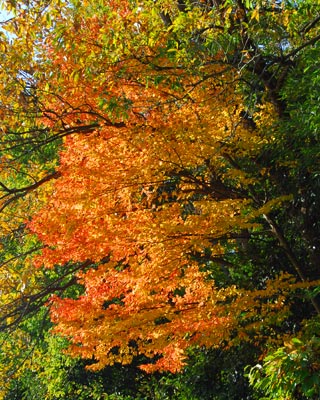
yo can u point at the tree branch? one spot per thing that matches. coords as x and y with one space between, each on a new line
277 232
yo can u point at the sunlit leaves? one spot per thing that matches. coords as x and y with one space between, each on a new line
173 159
167 173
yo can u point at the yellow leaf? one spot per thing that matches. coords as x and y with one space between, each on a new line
255 14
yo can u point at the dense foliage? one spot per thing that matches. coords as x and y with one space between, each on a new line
159 186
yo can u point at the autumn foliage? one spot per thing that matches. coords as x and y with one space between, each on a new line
153 186
163 179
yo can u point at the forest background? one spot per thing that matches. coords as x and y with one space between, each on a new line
159 199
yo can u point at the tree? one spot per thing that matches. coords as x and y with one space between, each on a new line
159 181
175 177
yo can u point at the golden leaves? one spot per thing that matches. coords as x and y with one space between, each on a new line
163 176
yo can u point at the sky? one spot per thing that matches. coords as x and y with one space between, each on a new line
4 15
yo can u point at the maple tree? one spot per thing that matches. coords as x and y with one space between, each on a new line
175 168
158 180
